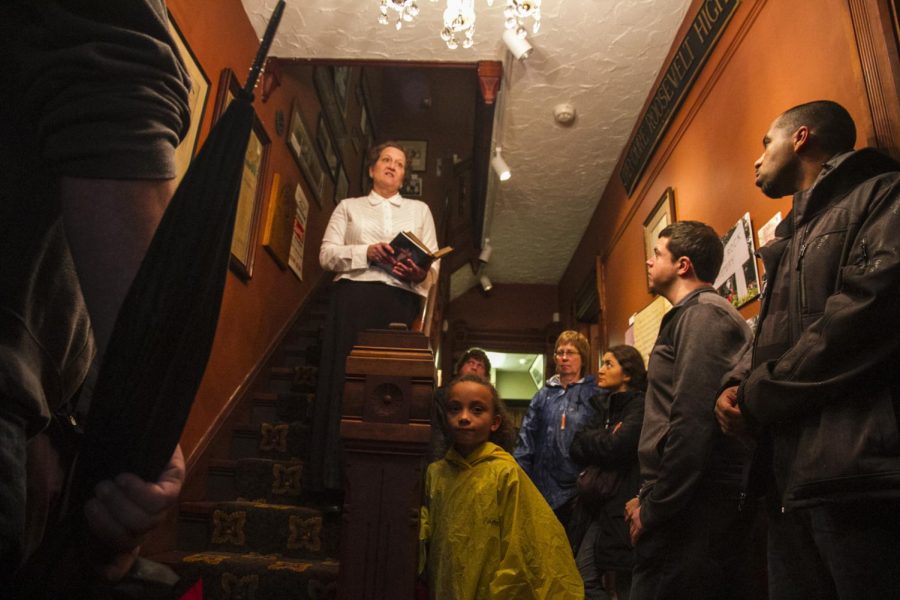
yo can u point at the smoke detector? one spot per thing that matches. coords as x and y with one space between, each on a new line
564 113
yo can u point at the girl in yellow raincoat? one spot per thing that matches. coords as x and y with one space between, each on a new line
486 531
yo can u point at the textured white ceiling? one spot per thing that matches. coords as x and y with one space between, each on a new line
600 55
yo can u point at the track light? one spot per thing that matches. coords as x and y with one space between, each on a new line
517 43
486 284
485 255
500 166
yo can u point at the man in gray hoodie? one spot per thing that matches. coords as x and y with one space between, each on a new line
691 534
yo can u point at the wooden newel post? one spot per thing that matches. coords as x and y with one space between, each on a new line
385 428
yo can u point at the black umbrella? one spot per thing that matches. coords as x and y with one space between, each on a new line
162 338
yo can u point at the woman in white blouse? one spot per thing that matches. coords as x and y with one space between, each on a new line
364 296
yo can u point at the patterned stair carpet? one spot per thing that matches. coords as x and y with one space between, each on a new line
256 535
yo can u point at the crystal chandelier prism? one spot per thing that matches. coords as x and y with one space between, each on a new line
406 10
459 18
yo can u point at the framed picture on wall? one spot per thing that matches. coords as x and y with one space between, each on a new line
307 158
662 215
325 141
413 186
341 86
196 102
250 198
417 151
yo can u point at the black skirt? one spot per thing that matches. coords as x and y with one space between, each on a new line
355 306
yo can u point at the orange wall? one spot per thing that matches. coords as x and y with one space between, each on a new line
773 55
255 311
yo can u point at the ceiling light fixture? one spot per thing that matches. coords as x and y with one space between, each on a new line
500 166
406 10
517 44
459 19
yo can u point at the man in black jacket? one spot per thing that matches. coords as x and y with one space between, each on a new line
821 386
690 533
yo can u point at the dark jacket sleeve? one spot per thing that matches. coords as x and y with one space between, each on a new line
596 445
854 341
708 343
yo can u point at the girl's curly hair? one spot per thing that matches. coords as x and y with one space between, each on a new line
505 436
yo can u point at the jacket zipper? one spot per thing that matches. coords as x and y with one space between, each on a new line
802 278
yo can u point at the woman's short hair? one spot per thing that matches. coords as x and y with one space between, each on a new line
375 152
581 344
632 363
505 436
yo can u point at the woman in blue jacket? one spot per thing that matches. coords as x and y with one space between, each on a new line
556 413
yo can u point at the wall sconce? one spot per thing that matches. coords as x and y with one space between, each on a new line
500 166
517 44
486 284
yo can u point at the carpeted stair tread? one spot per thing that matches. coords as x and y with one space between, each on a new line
244 526
269 440
270 480
233 576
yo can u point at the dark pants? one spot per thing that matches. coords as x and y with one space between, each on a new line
704 552
355 307
847 551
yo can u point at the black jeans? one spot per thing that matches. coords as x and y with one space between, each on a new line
704 552
846 551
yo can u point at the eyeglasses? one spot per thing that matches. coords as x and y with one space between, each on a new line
564 353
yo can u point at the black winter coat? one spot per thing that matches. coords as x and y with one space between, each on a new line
825 378
596 444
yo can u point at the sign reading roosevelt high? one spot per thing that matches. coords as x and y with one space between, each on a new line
680 73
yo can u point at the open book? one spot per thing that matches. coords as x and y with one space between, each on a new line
407 245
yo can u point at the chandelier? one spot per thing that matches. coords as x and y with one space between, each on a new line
459 18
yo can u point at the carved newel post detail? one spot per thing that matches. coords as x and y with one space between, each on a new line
385 428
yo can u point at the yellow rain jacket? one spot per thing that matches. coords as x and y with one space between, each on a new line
487 532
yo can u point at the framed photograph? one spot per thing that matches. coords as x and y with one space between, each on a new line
662 215
417 151
738 279
325 89
301 146
250 198
325 141
298 236
341 186
341 87
413 187
279 227
196 101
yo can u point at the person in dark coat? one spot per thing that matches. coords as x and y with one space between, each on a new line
599 535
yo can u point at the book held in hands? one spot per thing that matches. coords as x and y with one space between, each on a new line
407 246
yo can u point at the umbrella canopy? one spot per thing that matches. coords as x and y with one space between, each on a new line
162 338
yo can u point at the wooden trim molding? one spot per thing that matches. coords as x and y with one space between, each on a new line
876 41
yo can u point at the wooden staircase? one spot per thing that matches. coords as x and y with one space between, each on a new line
255 533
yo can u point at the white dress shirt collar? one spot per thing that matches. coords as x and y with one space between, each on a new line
375 198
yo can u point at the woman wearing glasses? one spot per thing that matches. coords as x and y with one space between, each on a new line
556 413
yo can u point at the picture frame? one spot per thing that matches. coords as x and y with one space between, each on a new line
298 237
250 197
364 98
197 100
325 142
324 83
341 185
417 150
305 155
342 74
738 278
412 187
662 215
279 229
